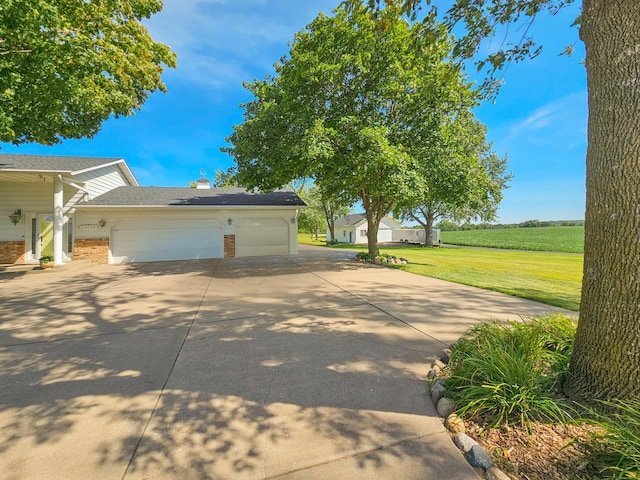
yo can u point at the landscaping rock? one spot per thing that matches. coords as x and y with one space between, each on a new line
440 364
446 356
437 392
454 423
464 442
445 407
478 458
433 373
496 474
442 381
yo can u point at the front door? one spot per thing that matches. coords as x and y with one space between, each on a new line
46 235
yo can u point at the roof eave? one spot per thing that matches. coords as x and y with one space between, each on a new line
122 164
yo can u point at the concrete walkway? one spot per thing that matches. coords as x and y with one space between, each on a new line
305 367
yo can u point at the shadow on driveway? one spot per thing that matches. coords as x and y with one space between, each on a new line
290 367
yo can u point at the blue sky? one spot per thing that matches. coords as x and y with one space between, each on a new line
538 119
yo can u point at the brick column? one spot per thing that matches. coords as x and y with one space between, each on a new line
94 249
229 246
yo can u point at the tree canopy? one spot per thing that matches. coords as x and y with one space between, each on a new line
348 107
465 177
66 66
605 363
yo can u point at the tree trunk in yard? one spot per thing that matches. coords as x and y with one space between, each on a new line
428 230
375 210
606 358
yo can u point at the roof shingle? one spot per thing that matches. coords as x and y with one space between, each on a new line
51 163
184 196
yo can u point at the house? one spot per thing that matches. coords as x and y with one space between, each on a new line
353 229
85 207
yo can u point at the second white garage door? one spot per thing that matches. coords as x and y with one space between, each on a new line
262 237
149 241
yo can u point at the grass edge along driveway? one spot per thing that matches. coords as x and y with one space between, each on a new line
551 278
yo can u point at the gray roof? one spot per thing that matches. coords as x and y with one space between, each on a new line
51 163
184 196
350 220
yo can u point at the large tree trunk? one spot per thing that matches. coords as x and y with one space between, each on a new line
428 230
606 359
375 210
426 221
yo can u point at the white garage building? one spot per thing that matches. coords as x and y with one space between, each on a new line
78 207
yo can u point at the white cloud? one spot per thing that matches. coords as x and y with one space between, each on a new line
564 117
222 43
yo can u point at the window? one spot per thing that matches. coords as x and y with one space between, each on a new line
363 233
34 235
70 235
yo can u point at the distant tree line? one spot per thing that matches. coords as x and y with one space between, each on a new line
450 226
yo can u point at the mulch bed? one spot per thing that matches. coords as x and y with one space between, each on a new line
545 452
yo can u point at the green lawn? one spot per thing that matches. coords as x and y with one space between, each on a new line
551 278
548 239
308 239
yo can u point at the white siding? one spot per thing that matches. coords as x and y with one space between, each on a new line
31 198
342 234
102 180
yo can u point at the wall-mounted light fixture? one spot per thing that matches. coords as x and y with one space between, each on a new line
293 219
102 223
229 221
16 216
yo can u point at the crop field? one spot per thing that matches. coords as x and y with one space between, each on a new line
546 239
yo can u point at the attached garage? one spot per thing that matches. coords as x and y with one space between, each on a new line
161 240
148 224
262 237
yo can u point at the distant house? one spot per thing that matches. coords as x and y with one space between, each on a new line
83 207
353 229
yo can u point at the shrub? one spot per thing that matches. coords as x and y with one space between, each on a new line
508 373
617 450
366 256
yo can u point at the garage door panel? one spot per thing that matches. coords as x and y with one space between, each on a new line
170 240
262 238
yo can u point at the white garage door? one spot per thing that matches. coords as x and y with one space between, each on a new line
149 241
262 237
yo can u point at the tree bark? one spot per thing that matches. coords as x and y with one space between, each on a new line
606 358
375 211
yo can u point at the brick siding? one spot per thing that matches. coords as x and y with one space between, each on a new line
229 246
94 249
12 252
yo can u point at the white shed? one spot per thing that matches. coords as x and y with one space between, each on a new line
353 229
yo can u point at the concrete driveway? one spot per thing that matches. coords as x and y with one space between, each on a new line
305 367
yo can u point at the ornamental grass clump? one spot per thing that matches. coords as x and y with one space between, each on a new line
617 448
502 374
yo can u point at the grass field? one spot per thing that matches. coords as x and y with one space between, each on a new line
547 239
551 278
